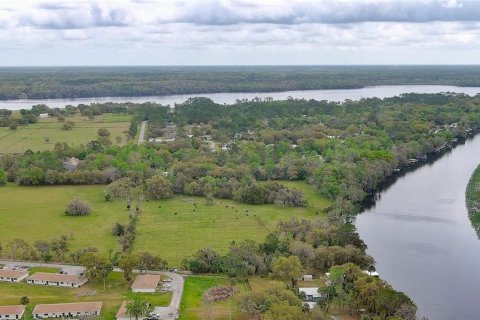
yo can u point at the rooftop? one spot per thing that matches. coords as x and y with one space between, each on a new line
309 291
12 273
122 312
146 281
55 277
12 310
89 307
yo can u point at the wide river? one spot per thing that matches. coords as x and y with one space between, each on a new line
230 98
419 233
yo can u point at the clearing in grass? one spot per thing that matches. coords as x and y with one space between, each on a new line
173 229
46 132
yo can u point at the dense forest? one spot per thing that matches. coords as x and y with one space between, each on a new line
75 82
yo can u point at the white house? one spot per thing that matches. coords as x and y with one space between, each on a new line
67 310
12 275
43 115
311 296
57 279
12 312
146 283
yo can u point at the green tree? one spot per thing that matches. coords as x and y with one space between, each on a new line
3 177
138 307
127 263
24 300
159 187
103 132
287 268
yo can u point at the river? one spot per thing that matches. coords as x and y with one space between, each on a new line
419 233
230 98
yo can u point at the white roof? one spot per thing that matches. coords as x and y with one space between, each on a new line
310 291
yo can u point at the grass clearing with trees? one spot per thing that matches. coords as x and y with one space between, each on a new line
46 132
38 213
193 308
117 291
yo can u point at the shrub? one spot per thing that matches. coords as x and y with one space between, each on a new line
78 208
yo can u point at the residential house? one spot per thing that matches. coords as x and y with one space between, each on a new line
57 279
13 275
146 283
67 310
311 296
12 312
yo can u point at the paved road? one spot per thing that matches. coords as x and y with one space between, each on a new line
165 313
141 136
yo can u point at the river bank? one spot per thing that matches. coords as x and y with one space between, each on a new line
419 234
472 199
231 98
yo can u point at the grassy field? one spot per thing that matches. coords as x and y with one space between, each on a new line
173 228
116 292
37 213
193 308
33 136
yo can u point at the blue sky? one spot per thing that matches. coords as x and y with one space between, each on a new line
239 32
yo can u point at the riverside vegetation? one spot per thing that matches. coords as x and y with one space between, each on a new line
75 82
472 198
250 162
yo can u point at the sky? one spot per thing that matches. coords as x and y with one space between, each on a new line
239 32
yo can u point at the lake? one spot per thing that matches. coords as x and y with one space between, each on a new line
420 235
230 98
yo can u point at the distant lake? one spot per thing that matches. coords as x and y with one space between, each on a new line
230 98
421 238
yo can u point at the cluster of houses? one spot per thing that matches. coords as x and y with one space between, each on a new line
54 310
145 283
43 278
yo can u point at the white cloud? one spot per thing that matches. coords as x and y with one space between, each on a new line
238 31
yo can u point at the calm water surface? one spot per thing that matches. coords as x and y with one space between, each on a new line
229 98
420 236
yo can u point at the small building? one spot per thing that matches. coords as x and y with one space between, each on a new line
307 277
12 312
371 273
146 283
122 313
12 275
67 310
311 296
43 115
57 279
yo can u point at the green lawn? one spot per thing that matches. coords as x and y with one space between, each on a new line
176 236
117 291
33 136
172 228
33 270
37 213
192 307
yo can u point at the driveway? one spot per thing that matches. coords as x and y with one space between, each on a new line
141 136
